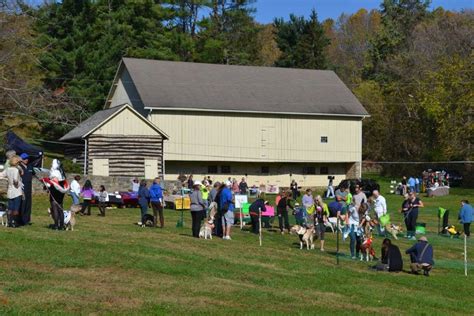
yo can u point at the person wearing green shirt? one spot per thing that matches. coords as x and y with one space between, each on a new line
321 216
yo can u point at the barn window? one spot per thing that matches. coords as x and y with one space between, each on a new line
212 169
324 170
324 139
225 169
265 169
309 170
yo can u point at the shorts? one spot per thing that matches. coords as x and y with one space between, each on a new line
14 204
228 218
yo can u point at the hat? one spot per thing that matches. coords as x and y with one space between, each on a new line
423 238
197 183
24 156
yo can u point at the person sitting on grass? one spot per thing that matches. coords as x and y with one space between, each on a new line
391 259
421 256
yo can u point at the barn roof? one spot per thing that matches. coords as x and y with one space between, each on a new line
98 119
212 87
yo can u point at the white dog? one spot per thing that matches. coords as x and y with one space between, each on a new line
208 226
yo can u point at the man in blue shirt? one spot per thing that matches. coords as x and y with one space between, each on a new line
421 256
412 184
226 208
466 215
156 199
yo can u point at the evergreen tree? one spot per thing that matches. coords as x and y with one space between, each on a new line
302 42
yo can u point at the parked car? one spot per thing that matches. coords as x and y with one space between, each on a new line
120 200
368 185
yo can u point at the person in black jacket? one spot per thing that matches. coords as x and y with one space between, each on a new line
282 212
391 259
255 207
27 179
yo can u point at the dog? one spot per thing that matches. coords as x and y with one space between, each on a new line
367 252
148 220
452 231
3 214
206 228
306 235
332 222
70 217
393 229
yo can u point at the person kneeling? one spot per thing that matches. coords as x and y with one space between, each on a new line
421 256
391 259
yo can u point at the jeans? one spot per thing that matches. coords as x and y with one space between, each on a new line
86 204
75 198
283 218
467 229
410 222
158 212
355 242
143 212
330 192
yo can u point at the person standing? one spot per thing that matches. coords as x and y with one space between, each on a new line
294 189
190 182
87 194
75 190
103 199
411 214
411 184
243 187
466 215
226 207
14 191
359 196
213 193
421 256
353 230
143 200
380 207
135 185
57 187
321 218
330 189
156 199
259 205
282 212
404 185
198 208
27 180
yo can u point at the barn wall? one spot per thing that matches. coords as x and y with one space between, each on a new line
126 122
126 154
205 136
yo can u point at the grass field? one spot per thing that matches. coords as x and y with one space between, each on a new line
111 266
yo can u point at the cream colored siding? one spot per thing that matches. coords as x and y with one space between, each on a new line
280 174
125 123
197 136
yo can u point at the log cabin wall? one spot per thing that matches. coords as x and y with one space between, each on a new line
126 154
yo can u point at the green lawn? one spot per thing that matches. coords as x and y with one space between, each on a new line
111 266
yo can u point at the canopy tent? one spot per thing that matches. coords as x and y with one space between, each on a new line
13 142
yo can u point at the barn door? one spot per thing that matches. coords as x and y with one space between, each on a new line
151 168
100 167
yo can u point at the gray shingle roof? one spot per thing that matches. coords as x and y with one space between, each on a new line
181 85
89 124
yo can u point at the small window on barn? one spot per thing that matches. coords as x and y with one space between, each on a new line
309 170
324 139
225 169
265 169
324 170
212 169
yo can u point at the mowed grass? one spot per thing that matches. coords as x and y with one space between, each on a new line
111 266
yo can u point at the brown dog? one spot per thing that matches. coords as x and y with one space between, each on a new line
306 235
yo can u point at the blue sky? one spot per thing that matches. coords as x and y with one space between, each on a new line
269 9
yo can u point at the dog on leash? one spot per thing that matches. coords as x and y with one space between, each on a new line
3 214
306 235
206 228
393 230
367 252
69 216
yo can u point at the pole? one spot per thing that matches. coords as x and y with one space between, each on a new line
465 255
241 218
260 226
337 240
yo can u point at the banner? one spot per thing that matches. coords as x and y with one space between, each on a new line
240 200
272 189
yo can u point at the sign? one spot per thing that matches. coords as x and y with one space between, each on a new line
272 189
240 199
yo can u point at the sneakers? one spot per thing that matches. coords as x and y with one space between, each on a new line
226 238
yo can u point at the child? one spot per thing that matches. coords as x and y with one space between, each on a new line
87 194
103 199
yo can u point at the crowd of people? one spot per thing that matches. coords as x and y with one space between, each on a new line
355 214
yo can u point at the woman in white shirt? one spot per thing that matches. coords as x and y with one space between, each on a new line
14 192
75 190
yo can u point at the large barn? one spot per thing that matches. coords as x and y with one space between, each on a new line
268 124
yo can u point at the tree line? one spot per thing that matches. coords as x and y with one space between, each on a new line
411 67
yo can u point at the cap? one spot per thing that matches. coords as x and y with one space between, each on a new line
423 238
197 183
24 156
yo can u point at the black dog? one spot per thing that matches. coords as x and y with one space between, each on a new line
148 220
